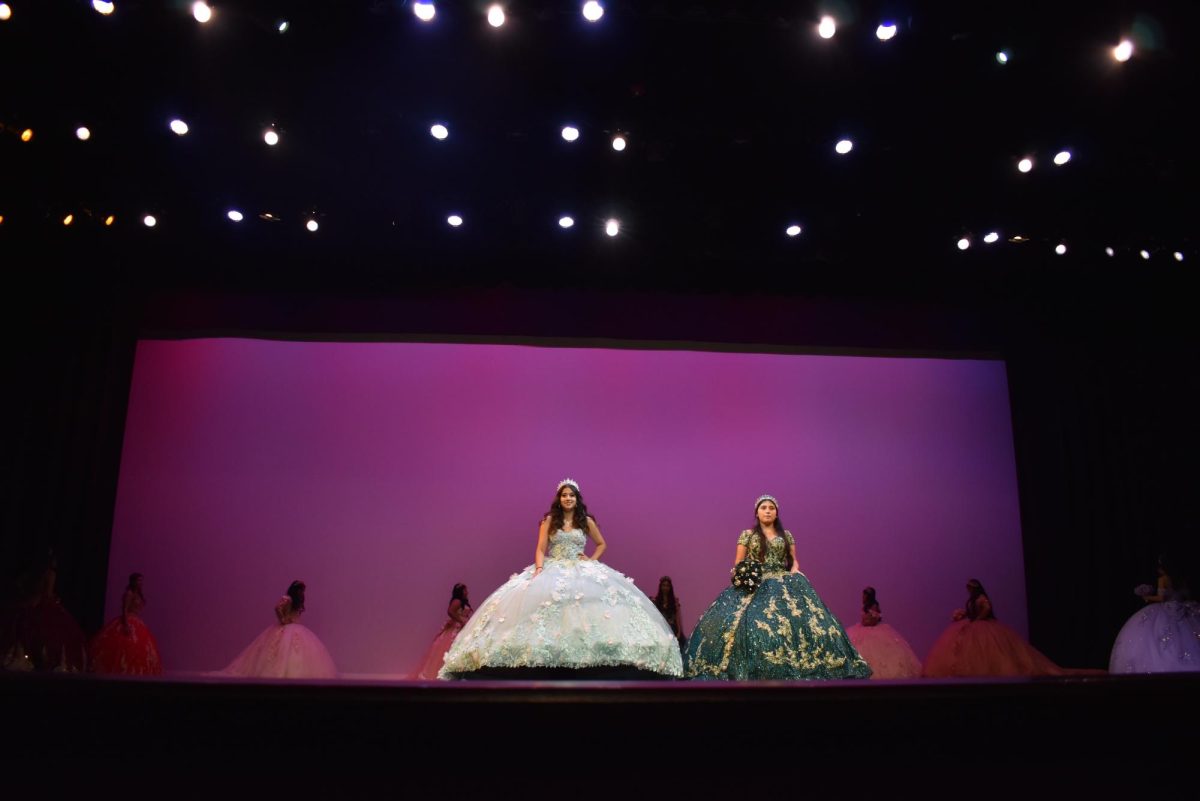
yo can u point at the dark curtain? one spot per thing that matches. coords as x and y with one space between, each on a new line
68 358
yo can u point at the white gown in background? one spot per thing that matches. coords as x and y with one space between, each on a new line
1164 637
287 650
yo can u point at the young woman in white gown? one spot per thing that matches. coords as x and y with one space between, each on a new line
287 650
565 612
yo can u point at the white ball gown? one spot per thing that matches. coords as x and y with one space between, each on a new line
578 613
287 650
1163 637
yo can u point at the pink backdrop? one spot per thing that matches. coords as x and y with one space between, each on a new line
382 473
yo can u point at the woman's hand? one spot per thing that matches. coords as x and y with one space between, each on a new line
959 614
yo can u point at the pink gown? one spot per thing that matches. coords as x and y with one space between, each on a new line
436 655
883 648
287 650
985 647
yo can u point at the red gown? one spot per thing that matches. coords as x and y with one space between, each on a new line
40 633
125 644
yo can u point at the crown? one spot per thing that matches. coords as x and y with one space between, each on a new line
762 498
568 482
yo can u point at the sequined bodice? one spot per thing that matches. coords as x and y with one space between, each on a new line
134 605
567 544
775 559
776 555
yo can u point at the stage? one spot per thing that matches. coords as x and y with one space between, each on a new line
1102 734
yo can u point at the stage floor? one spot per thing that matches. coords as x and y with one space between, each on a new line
352 736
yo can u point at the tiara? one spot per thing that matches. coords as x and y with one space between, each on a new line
568 482
762 498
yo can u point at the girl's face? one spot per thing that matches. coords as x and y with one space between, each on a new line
664 586
566 498
766 513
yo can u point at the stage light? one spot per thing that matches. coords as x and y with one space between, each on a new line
5 12
592 11
70 218
439 131
618 143
565 222
827 28
271 137
844 146
964 243
992 238
1 219
495 15
179 126
1018 239
312 226
1109 252
109 220
27 135
82 133
235 215
612 227
202 12
1062 157
1002 57
103 7
570 133
1145 254
1178 255
1060 249
793 230
1123 51
424 11
454 220
885 31
283 26
149 221
1025 164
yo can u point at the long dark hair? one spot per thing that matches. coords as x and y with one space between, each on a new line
295 591
667 602
557 514
869 601
976 590
459 593
779 531
134 588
